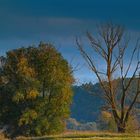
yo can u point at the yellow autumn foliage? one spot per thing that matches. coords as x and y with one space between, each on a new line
24 69
106 115
28 116
18 97
32 94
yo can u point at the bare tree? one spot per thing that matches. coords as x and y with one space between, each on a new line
110 46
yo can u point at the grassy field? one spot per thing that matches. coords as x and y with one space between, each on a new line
87 136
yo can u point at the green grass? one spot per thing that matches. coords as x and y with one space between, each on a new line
87 136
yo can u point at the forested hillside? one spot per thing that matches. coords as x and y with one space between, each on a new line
87 103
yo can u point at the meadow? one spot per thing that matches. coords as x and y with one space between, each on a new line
85 135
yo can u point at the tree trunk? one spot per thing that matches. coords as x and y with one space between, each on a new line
121 128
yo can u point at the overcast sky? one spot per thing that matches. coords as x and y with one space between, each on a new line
27 22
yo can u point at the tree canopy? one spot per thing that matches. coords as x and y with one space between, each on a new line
35 85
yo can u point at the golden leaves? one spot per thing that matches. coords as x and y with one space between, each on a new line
18 97
106 115
24 69
32 94
28 116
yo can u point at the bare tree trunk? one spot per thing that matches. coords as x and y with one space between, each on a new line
121 129
111 36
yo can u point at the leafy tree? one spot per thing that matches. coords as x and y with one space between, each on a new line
35 90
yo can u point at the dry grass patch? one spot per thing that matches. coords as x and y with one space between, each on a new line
86 135
2 137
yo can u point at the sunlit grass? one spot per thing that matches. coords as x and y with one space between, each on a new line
85 135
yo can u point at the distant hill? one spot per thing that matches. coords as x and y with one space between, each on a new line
86 107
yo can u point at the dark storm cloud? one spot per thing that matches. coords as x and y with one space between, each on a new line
27 18
25 22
